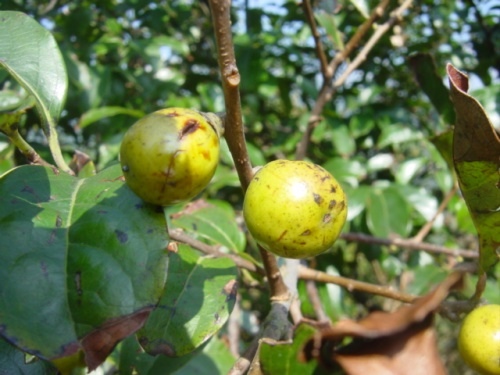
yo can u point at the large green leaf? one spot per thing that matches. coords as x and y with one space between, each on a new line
30 54
83 261
476 154
200 295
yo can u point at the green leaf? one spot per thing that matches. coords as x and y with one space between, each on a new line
476 154
83 261
97 114
200 295
31 56
213 223
283 358
388 213
395 134
348 172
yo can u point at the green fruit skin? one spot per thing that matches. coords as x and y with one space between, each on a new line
169 156
479 339
295 209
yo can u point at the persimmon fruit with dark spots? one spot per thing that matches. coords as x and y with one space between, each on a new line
170 155
479 339
294 209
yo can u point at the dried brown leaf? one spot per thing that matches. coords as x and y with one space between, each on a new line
98 344
401 342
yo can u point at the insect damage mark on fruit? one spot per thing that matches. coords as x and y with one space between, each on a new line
332 204
307 232
282 235
190 126
327 218
317 198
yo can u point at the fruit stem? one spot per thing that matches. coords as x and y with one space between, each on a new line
29 152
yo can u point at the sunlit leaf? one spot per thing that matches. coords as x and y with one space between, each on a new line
476 153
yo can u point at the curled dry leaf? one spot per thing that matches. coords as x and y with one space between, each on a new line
401 342
98 344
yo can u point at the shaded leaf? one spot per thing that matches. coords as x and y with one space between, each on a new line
425 72
199 295
83 261
402 342
476 154
30 54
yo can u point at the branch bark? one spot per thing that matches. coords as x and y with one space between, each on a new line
233 124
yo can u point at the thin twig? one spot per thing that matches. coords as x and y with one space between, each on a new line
327 90
320 52
312 293
377 12
424 231
306 273
409 244
396 16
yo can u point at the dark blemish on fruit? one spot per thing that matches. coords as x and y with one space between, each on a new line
317 198
327 218
333 189
324 178
307 232
125 168
206 155
190 126
282 235
332 204
121 236
342 205
171 114
58 221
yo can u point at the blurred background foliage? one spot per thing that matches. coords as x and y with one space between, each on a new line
126 58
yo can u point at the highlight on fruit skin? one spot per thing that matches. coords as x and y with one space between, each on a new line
294 209
170 155
479 339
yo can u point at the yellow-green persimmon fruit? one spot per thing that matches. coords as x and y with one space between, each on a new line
295 209
170 155
479 339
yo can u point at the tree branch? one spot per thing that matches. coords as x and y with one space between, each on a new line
233 121
306 273
409 244
396 16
